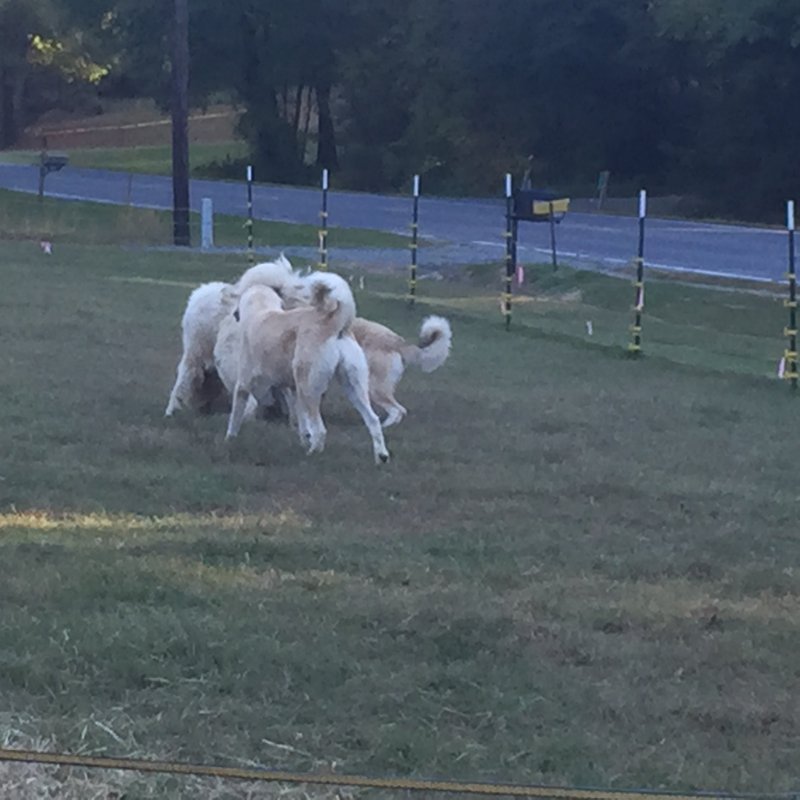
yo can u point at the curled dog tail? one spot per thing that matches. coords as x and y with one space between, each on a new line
435 339
274 274
331 296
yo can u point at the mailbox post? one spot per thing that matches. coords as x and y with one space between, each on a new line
530 205
537 205
49 162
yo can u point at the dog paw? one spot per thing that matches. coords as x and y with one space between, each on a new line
382 458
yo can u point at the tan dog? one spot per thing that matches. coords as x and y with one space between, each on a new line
388 354
301 350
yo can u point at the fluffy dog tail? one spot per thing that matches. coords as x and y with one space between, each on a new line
435 339
275 274
331 296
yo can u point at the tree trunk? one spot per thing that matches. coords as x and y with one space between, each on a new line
298 105
8 109
306 124
326 145
180 125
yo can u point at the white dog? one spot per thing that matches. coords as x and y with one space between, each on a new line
300 350
208 305
210 343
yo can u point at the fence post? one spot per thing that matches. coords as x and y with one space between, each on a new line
250 249
206 224
790 332
635 347
323 229
412 281
553 237
511 251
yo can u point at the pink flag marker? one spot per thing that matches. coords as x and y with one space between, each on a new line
520 274
781 367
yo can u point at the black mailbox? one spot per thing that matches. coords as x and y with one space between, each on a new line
537 205
53 162
50 162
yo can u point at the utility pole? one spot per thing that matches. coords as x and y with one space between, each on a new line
180 125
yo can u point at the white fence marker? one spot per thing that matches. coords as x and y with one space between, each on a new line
206 224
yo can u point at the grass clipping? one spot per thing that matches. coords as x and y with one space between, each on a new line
45 782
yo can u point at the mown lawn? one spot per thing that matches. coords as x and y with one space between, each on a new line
148 160
24 217
577 568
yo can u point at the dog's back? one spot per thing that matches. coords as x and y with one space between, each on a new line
262 325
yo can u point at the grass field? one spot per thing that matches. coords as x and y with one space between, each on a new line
151 160
23 216
577 568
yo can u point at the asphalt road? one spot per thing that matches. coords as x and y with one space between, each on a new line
472 228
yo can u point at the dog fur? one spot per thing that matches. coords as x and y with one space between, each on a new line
300 350
388 354
205 310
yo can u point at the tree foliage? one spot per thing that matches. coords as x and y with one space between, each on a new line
44 60
696 97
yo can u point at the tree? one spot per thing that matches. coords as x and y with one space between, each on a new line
180 124
41 52
746 58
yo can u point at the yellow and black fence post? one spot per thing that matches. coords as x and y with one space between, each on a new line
552 220
635 346
323 229
511 251
250 251
412 280
790 368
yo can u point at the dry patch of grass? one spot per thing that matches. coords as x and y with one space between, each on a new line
22 781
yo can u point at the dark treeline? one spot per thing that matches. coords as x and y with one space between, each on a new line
691 97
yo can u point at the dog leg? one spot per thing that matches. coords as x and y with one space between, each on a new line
359 400
183 391
250 409
317 427
287 399
384 392
395 413
238 408
309 422
354 376
302 423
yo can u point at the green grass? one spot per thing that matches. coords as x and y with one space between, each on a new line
577 568
23 216
151 160
718 329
